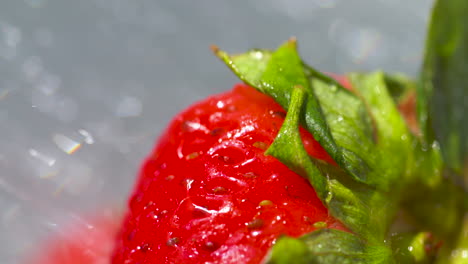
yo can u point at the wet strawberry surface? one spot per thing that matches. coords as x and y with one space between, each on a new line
208 194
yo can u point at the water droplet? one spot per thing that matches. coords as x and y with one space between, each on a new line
258 55
220 104
190 126
230 153
153 215
410 248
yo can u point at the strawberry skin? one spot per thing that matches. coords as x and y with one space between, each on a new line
208 194
88 240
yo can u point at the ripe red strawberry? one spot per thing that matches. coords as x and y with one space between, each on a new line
88 240
208 194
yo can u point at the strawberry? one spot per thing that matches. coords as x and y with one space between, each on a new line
88 240
236 179
208 194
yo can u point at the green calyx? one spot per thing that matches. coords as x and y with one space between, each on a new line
363 192
443 88
328 246
384 166
267 71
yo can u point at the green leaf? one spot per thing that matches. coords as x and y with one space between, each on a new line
276 74
412 248
439 208
353 129
349 123
290 250
289 149
358 206
367 211
249 66
443 92
456 251
328 246
399 86
394 144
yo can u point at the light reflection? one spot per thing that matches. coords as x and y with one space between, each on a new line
245 129
46 159
66 144
88 138
220 104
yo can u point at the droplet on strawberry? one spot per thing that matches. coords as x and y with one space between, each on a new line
213 194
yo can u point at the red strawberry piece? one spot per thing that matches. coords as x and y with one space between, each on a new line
208 194
87 240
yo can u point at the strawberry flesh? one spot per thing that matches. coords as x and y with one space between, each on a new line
208 194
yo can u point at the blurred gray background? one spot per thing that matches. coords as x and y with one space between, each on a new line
86 86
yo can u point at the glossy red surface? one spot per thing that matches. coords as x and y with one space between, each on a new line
208 194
